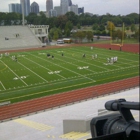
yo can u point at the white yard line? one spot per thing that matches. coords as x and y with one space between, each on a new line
44 67
109 56
3 85
37 86
63 67
33 72
74 64
123 55
89 63
14 73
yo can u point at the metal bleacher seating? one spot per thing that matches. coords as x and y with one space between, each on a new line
17 37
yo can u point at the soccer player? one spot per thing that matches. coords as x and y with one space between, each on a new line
84 55
16 58
108 60
95 55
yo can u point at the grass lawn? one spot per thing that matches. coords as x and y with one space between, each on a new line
34 75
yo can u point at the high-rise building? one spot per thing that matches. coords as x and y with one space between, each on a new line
34 8
52 13
26 6
70 2
81 10
58 10
15 7
49 5
64 6
73 8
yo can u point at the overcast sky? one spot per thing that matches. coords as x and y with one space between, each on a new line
100 7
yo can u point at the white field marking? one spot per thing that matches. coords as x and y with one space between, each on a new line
109 56
33 72
84 62
15 73
21 56
41 53
44 67
107 69
122 58
42 85
63 67
102 62
3 85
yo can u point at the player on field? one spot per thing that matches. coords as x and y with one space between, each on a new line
84 55
95 55
92 57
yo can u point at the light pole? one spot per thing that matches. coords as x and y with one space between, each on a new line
22 4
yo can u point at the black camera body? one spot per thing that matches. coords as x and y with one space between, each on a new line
116 126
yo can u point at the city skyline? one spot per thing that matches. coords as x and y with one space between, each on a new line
99 7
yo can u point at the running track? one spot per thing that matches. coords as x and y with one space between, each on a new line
24 108
31 106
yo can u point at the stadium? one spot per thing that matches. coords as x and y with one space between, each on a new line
32 82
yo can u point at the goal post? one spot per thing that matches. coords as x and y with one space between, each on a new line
122 39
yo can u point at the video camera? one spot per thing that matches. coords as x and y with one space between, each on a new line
116 126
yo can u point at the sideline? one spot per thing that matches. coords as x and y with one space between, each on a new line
2 85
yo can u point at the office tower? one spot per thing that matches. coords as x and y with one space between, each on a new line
70 2
58 10
49 5
73 8
64 6
15 7
81 10
34 8
52 13
26 6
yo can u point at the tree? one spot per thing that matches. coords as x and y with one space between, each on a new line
137 35
69 25
95 26
101 27
54 30
61 21
67 33
133 28
71 16
89 35
127 28
81 35
110 26
55 36
78 26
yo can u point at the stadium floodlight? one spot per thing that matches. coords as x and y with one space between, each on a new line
22 4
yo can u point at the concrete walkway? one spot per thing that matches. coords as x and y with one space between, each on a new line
48 125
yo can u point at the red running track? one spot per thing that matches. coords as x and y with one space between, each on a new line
32 106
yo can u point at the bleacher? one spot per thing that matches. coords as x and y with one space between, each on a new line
17 37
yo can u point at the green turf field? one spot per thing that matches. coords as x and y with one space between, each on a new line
34 75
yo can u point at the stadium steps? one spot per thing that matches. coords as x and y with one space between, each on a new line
26 38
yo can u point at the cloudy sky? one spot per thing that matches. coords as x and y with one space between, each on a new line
100 7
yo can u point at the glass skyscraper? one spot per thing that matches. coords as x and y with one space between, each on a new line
49 5
15 7
34 8
26 7
64 6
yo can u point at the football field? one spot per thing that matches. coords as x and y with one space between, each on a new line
35 75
